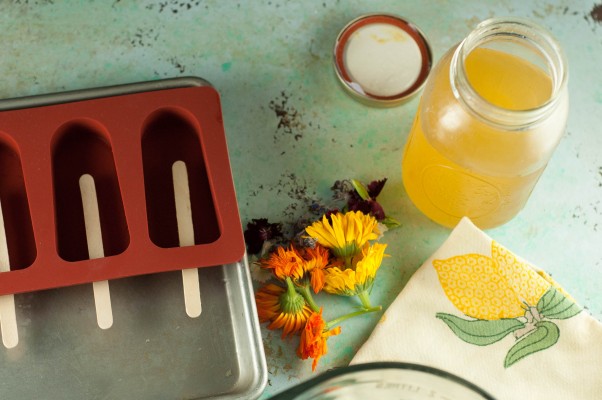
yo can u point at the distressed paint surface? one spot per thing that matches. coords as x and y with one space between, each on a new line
292 131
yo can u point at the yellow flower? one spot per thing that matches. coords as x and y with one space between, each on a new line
352 281
337 281
347 234
490 288
313 339
283 308
285 263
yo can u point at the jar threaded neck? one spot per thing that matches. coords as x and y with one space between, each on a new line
512 32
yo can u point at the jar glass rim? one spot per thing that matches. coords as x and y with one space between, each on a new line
327 377
512 29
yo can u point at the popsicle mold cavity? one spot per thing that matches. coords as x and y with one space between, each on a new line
13 197
83 147
170 135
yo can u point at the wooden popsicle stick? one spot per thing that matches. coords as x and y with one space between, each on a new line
190 276
8 317
102 295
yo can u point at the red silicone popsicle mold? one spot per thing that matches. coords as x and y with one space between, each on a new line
128 144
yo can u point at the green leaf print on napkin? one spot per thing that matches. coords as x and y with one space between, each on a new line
480 332
555 305
545 335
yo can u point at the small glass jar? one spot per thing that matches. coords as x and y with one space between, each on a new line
492 112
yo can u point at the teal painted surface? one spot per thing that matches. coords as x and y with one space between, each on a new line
292 131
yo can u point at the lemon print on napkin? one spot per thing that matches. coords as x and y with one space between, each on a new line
502 295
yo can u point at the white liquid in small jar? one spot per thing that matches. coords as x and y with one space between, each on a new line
382 59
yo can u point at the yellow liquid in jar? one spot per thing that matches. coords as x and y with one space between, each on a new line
445 189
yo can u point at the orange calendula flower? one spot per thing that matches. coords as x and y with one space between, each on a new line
315 261
285 263
347 234
313 339
282 307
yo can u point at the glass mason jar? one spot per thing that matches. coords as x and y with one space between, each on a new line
385 381
492 112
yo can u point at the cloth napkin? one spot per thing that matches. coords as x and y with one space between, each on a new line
480 312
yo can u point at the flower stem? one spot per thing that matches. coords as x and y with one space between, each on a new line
365 299
290 286
363 311
306 293
291 301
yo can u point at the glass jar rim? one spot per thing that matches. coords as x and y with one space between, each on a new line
378 366
517 28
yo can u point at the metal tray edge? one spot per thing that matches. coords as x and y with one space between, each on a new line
99 92
259 380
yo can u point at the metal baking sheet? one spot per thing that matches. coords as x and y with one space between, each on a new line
152 351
